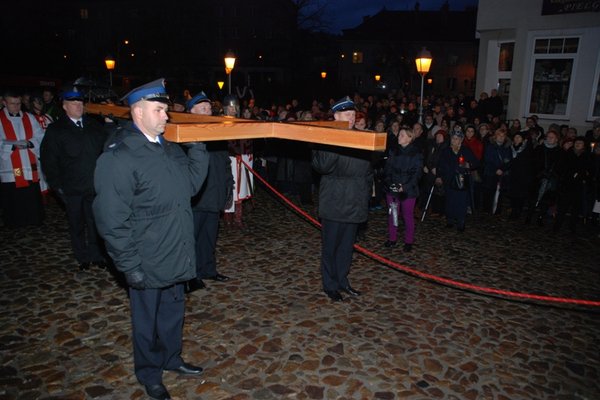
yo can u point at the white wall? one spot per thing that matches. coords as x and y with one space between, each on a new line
521 21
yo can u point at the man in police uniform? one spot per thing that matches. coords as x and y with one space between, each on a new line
215 195
344 194
69 152
142 209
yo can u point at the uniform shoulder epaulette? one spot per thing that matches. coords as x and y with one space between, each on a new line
114 140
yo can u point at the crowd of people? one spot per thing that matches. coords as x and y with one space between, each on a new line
472 159
538 173
157 204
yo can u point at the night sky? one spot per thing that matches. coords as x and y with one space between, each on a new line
344 14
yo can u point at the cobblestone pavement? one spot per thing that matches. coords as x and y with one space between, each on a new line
270 333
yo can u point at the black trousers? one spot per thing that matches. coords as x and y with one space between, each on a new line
206 229
157 323
82 228
337 241
21 206
569 202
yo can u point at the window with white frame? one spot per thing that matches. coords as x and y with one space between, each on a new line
595 103
551 80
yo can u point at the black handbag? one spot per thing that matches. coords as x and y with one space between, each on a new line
459 182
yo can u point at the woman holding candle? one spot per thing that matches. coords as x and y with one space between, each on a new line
453 171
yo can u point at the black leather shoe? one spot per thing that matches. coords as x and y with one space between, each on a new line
390 243
219 278
334 295
407 247
194 284
101 264
158 392
353 292
188 369
84 266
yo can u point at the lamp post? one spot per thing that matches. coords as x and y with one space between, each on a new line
323 74
423 62
110 65
229 64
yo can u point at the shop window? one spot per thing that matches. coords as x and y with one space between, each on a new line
552 70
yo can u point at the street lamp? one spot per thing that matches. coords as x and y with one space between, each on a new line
220 84
110 65
229 64
423 62
377 78
324 74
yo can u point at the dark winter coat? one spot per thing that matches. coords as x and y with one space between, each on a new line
142 207
521 171
217 189
404 166
68 154
448 168
495 157
448 164
596 176
574 171
346 183
545 161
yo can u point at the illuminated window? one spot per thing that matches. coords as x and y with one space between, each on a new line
83 13
357 57
551 83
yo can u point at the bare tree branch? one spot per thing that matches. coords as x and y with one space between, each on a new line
311 14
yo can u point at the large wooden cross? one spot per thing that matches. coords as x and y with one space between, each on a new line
184 127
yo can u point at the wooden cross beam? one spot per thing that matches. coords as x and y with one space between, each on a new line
183 127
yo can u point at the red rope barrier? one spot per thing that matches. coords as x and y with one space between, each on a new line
426 276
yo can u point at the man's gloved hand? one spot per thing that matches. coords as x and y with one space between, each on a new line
229 201
136 279
199 145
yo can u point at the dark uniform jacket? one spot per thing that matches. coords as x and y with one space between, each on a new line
404 166
69 153
142 207
346 184
218 186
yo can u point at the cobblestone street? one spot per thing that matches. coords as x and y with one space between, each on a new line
271 333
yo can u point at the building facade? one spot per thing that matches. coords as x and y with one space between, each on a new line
386 45
543 56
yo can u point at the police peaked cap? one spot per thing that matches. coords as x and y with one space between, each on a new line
343 104
152 91
71 93
199 98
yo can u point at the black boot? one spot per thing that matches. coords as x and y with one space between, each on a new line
194 284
